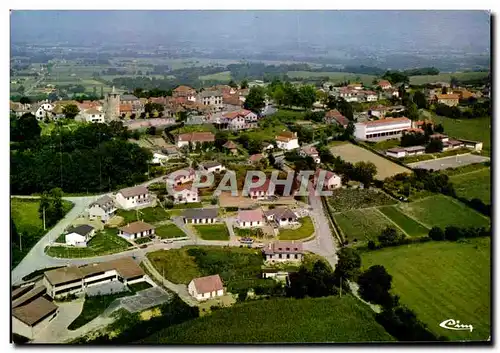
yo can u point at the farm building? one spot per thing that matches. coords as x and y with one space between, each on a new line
204 288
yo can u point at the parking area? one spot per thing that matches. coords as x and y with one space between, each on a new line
449 162
145 299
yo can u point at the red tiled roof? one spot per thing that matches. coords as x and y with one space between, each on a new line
383 83
183 89
387 121
250 215
286 136
126 108
208 284
256 157
230 144
197 137
286 247
264 187
447 96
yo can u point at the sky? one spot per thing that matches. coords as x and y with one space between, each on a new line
465 30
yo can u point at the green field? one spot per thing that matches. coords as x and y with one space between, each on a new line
148 215
446 77
330 319
169 231
212 231
305 231
103 243
224 76
29 225
478 129
442 280
334 77
360 225
474 185
238 267
351 199
407 224
443 211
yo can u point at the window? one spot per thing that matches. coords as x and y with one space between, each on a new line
287 256
296 256
279 256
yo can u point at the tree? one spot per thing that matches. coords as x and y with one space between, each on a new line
244 84
348 265
307 96
220 139
102 92
255 100
232 84
70 111
51 207
436 233
94 91
151 130
25 100
444 90
364 172
420 100
374 285
439 128
389 236
412 111
27 128
452 233
435 145
348 131
153 107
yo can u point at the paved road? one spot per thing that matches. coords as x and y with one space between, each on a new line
449 162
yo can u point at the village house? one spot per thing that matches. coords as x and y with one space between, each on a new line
91 115
185 91
310 151
76 279
331 180
159 159
194 138
103 209
384 84
136 230
31 311
287 140
356 85
382 129
133 101
281 216
201 215
450 100
414 150
211 98
42 110
443 138
133 197
452 144
370 96
185 193
335 117
261 192
250 218
19 109
204 288
281 251
231 146
80 235
255 158
239 120
212 167
349 94
181 176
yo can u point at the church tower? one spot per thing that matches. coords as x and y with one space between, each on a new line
112 106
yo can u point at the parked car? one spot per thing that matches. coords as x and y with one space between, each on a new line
167 241
259 245
246 240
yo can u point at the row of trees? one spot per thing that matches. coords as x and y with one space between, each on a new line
288 95
363 172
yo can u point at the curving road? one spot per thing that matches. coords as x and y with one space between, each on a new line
323 243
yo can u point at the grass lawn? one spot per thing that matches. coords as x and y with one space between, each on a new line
103 243
350 199
442 280
305 231
188 205
478 129
407 224
474 185
238 267
442 211
446 77
137 287
212 231
360 225
148 215
93 307
169 231
24 213
330 319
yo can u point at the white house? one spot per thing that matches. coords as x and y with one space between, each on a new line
204 288
211 98
200 215
310 151
212 167
185 193
159 158
92 115
181 176
281 251
240 119
382 129
250 218
370 96
396 152
136 230
103 209
80 235
43 110
331 180
282 216
133 197
287 140
261 192
72 279
194 137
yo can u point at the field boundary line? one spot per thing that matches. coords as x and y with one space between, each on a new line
416 220
460 203
467 173
390 220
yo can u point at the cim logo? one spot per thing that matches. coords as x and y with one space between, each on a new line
451 324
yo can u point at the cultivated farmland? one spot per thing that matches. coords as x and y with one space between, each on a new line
351 199
474 185
362 225
442 280
334 77
352 153
330 319
443 211
407 224
446 77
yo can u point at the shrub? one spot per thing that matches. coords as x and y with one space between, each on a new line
372 245
436 233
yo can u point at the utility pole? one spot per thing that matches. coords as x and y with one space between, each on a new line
341 287
20 241
44 227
